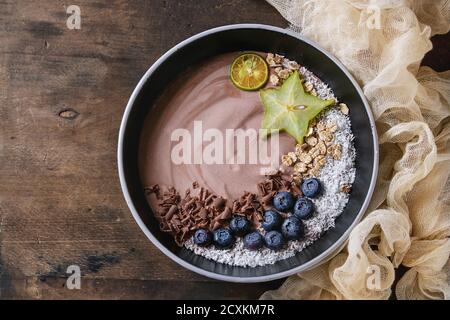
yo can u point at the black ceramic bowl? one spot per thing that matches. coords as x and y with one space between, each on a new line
251 37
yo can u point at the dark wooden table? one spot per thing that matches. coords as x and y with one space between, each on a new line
61 101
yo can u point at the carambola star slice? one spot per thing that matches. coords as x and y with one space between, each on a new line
290 109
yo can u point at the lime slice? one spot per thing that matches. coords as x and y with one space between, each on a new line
249 72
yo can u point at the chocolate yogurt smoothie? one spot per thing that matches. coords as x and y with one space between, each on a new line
203 93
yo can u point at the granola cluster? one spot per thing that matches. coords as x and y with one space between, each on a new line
282 69
344 108
308 158
346 188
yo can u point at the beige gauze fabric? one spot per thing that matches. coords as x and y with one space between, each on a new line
382 44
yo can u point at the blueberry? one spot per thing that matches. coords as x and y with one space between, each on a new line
303 208
223 238
253 240
239 225
271 220
274 240
292 228
283 201
203 237
311 187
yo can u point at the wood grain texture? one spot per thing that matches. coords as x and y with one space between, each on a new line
62 95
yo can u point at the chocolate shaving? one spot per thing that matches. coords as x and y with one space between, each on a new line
248 206
153 189
209 199
219 203
173 209
203 214
225 214
266 200
202 194
215 225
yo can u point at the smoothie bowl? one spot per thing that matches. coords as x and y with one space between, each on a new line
247 153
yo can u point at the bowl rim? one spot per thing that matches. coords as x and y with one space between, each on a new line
324 256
